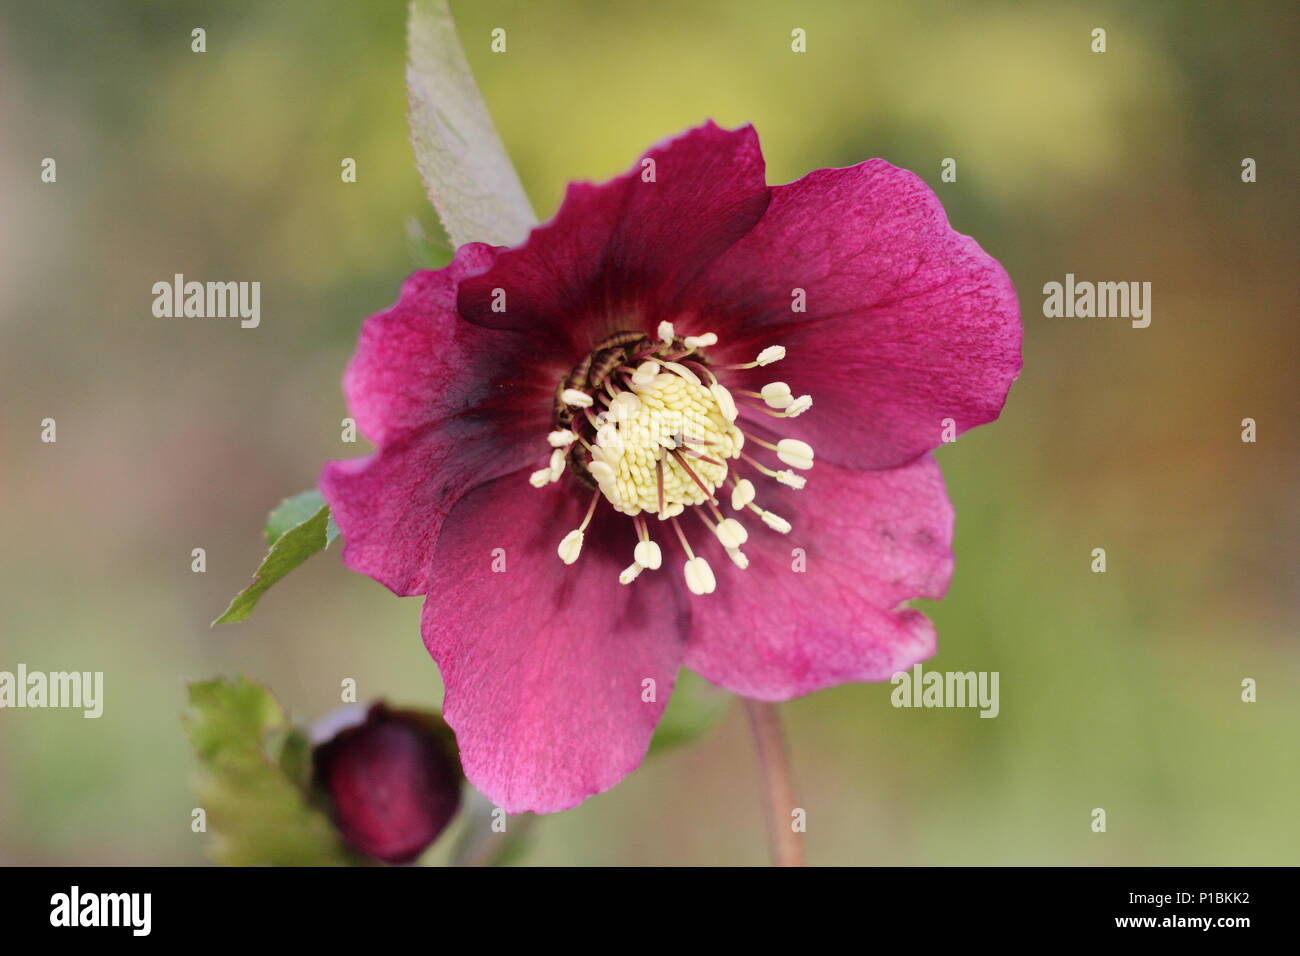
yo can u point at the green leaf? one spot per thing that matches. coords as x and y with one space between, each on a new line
465 168
294 511
251 782
694 707
291 548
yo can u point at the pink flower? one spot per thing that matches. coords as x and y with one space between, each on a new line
593 450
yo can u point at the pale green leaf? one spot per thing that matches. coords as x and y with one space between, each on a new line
466 172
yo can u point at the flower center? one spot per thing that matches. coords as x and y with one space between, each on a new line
648 426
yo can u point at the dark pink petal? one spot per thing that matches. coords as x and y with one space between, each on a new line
617 254
908 322
543 662
870 541
450 404
418 363
390 505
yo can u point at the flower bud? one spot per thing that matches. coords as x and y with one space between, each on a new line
393 780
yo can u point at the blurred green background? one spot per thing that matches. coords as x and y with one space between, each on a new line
1119 690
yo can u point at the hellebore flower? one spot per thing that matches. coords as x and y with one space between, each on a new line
595 451
392 781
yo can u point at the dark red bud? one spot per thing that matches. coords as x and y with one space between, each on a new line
394 782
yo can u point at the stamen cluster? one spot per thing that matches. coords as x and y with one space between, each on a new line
647 424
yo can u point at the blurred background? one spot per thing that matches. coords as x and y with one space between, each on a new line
1118 690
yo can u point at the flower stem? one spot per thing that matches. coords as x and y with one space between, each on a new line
778 794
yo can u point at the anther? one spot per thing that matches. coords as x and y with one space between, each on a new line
557 464
773 353
787 477
645 373
699 577
624 407
672 511
693 342
795 453
798 406
731 533
774 521
776 395
726 404
571 546
742 494
648 555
